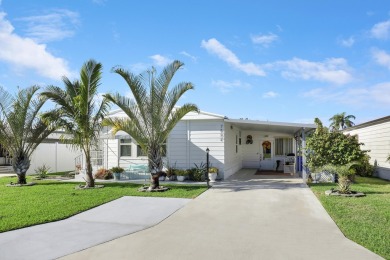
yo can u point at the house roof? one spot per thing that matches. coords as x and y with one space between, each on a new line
369 123
268 126
189 116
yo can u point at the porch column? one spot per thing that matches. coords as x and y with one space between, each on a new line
304 172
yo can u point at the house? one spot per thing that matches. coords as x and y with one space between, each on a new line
233 144
375 135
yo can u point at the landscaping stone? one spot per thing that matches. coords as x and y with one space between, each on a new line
20 185
82 187
352 194
159 189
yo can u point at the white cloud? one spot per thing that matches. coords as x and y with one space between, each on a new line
333 70
160 60
215 47
189 55
347 42
24 53
55 26
270 94
372 96
381 30
381 57
225 86
264 39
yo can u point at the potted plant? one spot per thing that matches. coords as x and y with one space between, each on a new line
171 173
181 174
213 173
117 172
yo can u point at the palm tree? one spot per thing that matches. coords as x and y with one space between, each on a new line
21 128
79 111
152 114
341 121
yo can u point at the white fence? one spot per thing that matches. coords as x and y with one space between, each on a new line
59 157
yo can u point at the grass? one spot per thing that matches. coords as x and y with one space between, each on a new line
49 201
365 220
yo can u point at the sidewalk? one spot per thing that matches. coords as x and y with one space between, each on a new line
245 217
93 227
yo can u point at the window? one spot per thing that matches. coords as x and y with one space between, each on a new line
283 146
141 152
125 147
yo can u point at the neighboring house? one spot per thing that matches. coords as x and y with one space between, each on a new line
233 144
375 135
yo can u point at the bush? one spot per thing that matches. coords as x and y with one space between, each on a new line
199 172
103 174
364 168
345 174
42 171
117 169
324 147
180 172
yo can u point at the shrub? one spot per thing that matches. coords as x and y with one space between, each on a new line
181 172
103 174
199 172
213 170
364 168
324 147
117 169
344 173
42 171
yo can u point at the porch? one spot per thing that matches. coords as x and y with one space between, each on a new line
269 146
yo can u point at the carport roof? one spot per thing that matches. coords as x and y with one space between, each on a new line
268 126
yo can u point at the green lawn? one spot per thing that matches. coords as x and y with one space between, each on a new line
365 220
53 200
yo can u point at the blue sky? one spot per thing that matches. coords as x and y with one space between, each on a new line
287 61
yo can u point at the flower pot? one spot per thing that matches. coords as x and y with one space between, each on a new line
117 176
181 178
212 177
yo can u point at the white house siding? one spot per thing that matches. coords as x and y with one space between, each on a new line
178 146
233 150
376 138
189 140
59 157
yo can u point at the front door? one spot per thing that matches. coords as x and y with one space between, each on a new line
266 154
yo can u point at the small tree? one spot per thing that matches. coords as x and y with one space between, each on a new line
344 172
80 111
153 113
21 128
332 148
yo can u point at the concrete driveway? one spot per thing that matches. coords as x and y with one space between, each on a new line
245 217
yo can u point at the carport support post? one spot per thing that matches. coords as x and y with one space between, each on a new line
207 167
304 172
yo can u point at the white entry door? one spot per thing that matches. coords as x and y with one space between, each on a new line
266 151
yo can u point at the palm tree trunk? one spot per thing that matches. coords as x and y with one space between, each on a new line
155 165
89 182
21 164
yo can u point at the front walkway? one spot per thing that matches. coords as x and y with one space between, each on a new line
245 217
